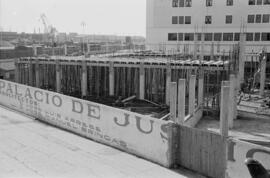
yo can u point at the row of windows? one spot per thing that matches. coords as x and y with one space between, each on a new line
218 36
181 3
187 3
210 3
181 20
187 19
258 18
258 2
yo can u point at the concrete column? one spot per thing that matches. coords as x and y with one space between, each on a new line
142 80
191 97
168 81
111 79
241 59
88 48
35 50
232 101
31 73
224 110
84 78
202 48
196 46
212 51
58 78
200 89
181 101
65 50
37 72
17 77
173 100
262 78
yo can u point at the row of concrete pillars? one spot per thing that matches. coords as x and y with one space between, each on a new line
84 80
228 109
178 98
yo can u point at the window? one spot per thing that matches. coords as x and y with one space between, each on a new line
228 19
181 3
180 36
251 18
266 18
259 2
208 36
227 36
175 3
249 37
172 37
257 37
266 2
217 36
174 19
209 3
208 19
229 2
181 19
187 19
199 36
188 3
189 36
251 2
236 36
265 36
258 18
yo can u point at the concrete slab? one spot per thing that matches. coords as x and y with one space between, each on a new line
29 148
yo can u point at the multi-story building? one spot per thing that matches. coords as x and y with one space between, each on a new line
171 23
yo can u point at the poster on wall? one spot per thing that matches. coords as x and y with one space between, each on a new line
131 132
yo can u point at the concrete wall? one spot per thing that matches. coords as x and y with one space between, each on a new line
238 151
131 132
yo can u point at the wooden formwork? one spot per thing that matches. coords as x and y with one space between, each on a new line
201 151
146 78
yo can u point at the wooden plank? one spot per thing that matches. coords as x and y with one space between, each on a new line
208 140
212 161
195 145
184 146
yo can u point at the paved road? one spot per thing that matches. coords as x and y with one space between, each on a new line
29 148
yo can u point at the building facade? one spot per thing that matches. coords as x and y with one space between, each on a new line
171 23
8 36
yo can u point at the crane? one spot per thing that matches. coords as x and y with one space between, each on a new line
49 31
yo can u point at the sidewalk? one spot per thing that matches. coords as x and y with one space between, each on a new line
32 149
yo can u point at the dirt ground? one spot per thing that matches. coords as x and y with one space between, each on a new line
246 129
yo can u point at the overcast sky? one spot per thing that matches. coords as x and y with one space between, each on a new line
121 17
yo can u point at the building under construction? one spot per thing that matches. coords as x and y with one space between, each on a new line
142 75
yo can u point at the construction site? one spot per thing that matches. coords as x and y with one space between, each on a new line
200 105
208 96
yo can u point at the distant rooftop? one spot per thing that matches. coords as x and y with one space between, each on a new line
6 45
